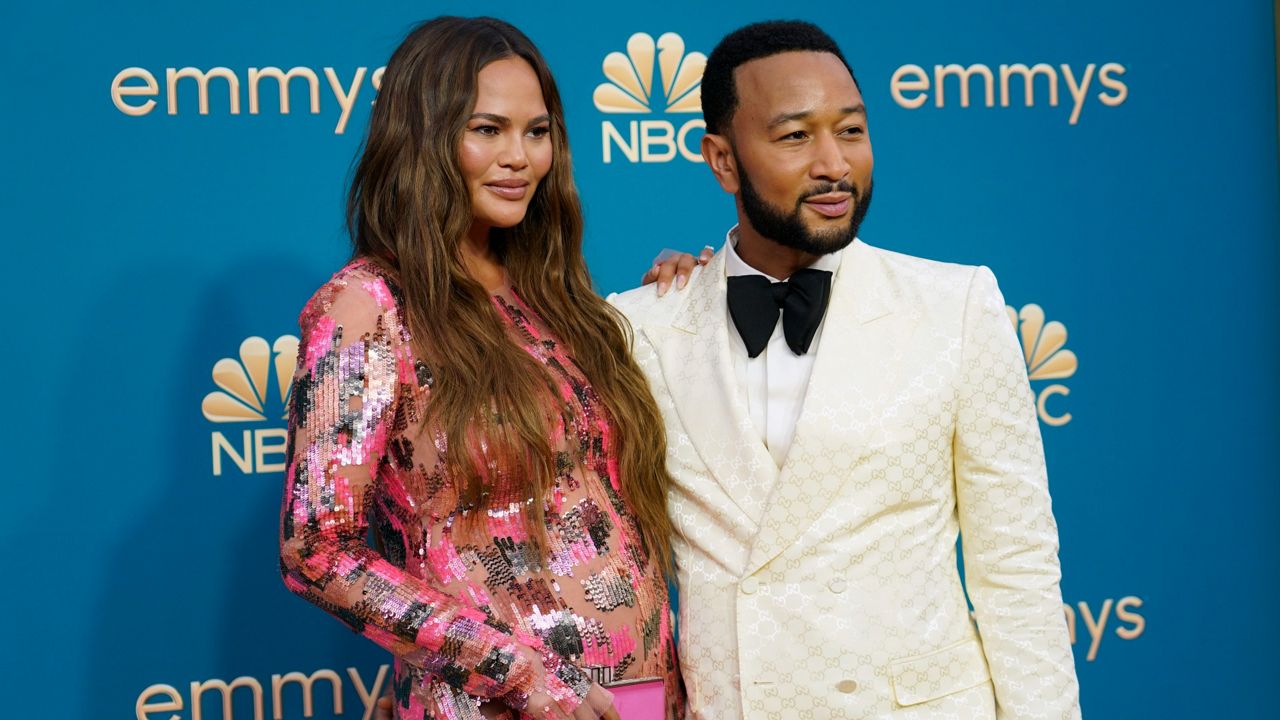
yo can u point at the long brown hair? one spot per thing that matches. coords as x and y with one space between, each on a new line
409 210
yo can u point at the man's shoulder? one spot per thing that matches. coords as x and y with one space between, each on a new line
643 305
920 277
916 266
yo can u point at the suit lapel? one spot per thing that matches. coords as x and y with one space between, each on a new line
840 412
698 368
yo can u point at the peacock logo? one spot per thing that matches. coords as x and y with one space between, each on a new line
630 87
1047 357
246 395
651 76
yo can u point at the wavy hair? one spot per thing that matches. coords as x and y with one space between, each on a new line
409 210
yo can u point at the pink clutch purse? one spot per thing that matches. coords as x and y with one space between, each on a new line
642 699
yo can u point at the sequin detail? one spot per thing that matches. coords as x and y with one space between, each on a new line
454 606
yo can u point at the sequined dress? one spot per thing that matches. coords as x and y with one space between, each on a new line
449 606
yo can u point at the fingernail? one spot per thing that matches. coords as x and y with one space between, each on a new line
681 282
662 288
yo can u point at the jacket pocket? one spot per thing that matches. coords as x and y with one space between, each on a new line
942 672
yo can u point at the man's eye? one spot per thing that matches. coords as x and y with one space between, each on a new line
854 131
797 135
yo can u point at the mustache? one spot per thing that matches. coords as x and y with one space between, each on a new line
829 187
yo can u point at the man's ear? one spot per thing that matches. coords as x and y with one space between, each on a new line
718 152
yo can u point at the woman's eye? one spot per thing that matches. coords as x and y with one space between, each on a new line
486 130
540 132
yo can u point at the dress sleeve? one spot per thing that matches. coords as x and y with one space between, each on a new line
341 411
1008 534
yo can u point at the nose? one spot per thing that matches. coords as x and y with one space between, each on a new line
512 155
829 162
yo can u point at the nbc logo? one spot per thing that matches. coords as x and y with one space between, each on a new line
634 89
1044 349
244 397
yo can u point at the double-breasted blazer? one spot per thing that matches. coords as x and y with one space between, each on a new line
829 587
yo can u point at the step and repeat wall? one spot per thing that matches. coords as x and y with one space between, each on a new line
175 176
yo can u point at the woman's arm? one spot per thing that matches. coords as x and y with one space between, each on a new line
342 411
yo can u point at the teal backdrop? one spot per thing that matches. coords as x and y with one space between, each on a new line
158 254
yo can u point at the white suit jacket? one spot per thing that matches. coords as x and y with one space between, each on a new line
837 594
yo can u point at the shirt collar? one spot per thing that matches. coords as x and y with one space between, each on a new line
735 265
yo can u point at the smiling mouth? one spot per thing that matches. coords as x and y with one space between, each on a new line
831 205
509 189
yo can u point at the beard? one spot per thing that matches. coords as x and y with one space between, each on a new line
788 228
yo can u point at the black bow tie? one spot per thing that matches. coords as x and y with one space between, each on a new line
754 303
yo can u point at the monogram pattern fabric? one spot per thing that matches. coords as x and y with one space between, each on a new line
829 588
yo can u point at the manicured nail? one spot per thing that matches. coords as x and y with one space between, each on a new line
681 281
662 288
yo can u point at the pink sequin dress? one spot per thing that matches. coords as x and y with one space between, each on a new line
450 607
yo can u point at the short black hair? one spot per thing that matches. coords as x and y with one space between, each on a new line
755 41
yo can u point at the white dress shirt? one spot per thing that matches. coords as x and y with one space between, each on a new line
775 380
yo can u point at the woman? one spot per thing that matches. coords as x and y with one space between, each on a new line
462 388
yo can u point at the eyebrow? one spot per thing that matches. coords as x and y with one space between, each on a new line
804 114
503 120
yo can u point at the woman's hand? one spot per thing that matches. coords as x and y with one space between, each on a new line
671 265
597 705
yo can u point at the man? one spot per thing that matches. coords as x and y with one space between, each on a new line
825 463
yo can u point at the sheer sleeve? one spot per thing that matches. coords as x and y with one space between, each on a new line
352 355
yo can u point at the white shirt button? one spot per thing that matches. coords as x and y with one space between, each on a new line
846 686
750 585
837 585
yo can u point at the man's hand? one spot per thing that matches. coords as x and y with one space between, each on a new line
675 266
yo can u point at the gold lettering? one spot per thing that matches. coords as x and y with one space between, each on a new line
197 689
346 96
1078 90
1111 83
1096 627
632 151
119 91
144 705
682 140
1054 420
941 72
308 706
282 82
242 459
202 82
263 449
657 133
1124 615
899 84
1028 79
368 697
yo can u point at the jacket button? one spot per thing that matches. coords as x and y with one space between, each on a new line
846 686
750 585
837 585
